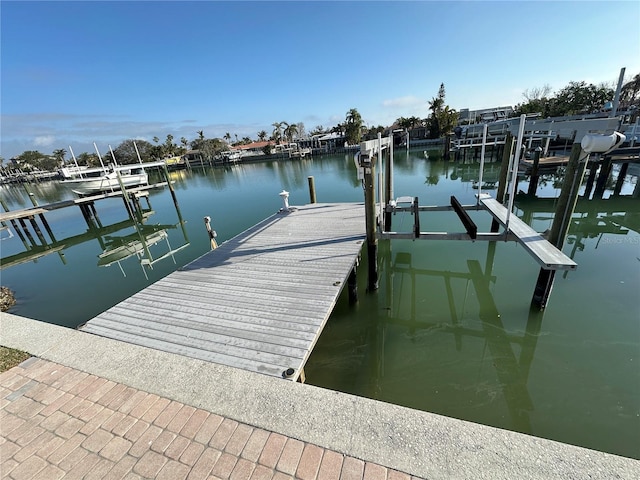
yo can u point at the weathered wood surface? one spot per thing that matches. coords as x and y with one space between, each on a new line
259 302
546 254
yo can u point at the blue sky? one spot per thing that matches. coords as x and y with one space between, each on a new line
77 72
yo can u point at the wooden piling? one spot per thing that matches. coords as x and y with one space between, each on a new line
603 176
565 206
593 170
370 222
533 179
620 181
312 189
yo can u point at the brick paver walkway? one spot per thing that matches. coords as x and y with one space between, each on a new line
57 422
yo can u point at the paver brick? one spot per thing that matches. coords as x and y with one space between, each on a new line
91 411
223 434
205 464
101 391
181 418
272 450
121 398
192 453
239 439
83 468
82 384
7 451
373 471
136 430
99 470
290 456
262 473
243 470
396 475
149 464
110 423
122 468
71 404
309 462
75 457
208 428
28 433
70 380
281 476
7 467
156 409
173 471
255 444
97 421
161 443
194 423
124 425
108 397
352 469
10 424
133 401
145 404
143 444
115 449
167 414
36 444
57 404
59 454
330 466
69 428
97 440
54 420
50 472
224 466
92 387
52 445
177 447
29 468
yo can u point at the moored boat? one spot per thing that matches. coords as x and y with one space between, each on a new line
99 180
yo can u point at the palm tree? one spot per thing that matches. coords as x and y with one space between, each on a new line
262 135
227 137
290 131
277 132
59 155
353 127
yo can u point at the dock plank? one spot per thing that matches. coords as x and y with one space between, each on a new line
546 254
258 302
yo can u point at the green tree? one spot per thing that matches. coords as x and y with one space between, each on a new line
59 156
262 135
290 131
630 92
125 153
353 127
443 119
276 136
227 137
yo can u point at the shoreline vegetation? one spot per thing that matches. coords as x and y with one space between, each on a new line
577 98
9 357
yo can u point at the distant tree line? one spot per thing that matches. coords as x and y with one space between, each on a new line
575 98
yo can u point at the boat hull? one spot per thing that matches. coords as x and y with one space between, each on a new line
87 186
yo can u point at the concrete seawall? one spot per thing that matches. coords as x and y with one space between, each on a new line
419 443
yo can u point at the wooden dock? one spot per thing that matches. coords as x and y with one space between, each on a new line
258 302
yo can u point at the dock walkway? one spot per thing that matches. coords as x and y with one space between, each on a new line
258 302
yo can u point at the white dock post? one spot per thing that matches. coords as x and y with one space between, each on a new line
285 200
484 142
514 169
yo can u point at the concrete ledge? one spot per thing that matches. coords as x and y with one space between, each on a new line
419 443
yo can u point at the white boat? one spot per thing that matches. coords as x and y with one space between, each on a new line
104 180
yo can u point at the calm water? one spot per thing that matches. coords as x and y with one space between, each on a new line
449 331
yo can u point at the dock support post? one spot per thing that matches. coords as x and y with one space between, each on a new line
388 189
504 172
601 182
312 189
533 180
620 181
561 221
593 169
370 221
352 285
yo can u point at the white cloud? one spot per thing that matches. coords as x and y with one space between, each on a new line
403 102
44 140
